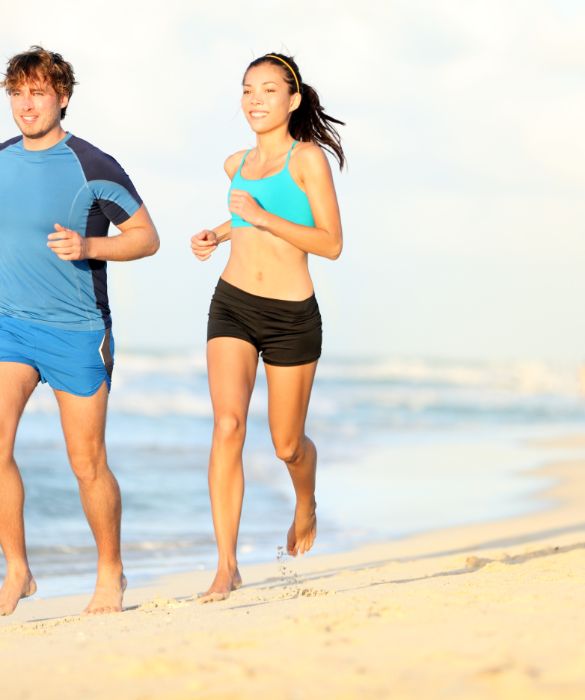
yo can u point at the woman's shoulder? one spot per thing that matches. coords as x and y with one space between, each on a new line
308 155
232 163
307 149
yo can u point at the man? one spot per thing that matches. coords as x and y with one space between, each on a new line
58 195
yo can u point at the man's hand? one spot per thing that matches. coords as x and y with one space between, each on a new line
203 244
67 244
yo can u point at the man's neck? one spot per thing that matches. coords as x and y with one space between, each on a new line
47 141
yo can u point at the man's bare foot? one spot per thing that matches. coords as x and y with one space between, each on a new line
15 587
223 584
303 530
108 595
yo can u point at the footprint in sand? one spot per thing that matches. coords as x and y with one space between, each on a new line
160 604
314 592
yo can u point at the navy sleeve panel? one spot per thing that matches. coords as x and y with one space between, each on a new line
4 145
115 194
115 213
97 222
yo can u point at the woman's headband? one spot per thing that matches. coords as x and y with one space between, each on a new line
271 55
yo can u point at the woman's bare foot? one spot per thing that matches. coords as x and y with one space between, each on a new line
16 585
108 594
303 530
224 583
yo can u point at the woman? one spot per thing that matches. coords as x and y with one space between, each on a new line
283 205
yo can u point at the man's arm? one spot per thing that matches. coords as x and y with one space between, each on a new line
137 239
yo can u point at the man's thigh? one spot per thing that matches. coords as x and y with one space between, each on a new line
17 383
84 420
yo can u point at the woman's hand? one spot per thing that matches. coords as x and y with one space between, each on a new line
246 207
203 244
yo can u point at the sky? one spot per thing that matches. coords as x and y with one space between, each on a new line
462 204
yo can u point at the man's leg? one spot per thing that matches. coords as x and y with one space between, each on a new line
84 421
17 383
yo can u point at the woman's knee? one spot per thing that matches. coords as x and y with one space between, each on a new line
229 427
290 450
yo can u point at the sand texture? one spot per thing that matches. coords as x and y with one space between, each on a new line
488 611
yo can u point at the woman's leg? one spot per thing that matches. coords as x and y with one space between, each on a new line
289 391
231 365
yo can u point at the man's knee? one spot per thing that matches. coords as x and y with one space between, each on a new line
87 466
7 435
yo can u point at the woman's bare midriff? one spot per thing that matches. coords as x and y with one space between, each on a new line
267 266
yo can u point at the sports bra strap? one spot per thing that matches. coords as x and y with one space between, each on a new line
243 161
290 150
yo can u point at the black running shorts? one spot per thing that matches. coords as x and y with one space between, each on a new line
287 333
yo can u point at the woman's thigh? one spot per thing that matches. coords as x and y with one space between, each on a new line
289 392
231 367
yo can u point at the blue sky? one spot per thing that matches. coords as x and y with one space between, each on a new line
463 203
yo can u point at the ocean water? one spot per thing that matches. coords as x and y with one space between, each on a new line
404 446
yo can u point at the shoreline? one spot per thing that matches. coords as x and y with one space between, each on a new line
518 454
483 611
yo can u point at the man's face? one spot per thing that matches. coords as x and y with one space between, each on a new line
36 108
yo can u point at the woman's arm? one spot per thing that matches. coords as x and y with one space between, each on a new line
204 243
325 238
223 231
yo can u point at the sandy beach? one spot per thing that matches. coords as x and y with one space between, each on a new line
493 610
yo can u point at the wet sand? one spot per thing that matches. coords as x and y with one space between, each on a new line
487 611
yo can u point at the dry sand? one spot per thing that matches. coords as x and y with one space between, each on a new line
487 611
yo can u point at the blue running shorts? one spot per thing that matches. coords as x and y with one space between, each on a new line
77 362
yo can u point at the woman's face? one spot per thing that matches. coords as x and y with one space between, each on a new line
266 99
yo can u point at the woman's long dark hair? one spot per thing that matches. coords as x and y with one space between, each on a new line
308 122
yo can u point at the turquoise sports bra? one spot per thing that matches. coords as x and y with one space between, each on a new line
279 194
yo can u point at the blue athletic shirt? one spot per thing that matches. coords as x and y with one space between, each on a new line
78 186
